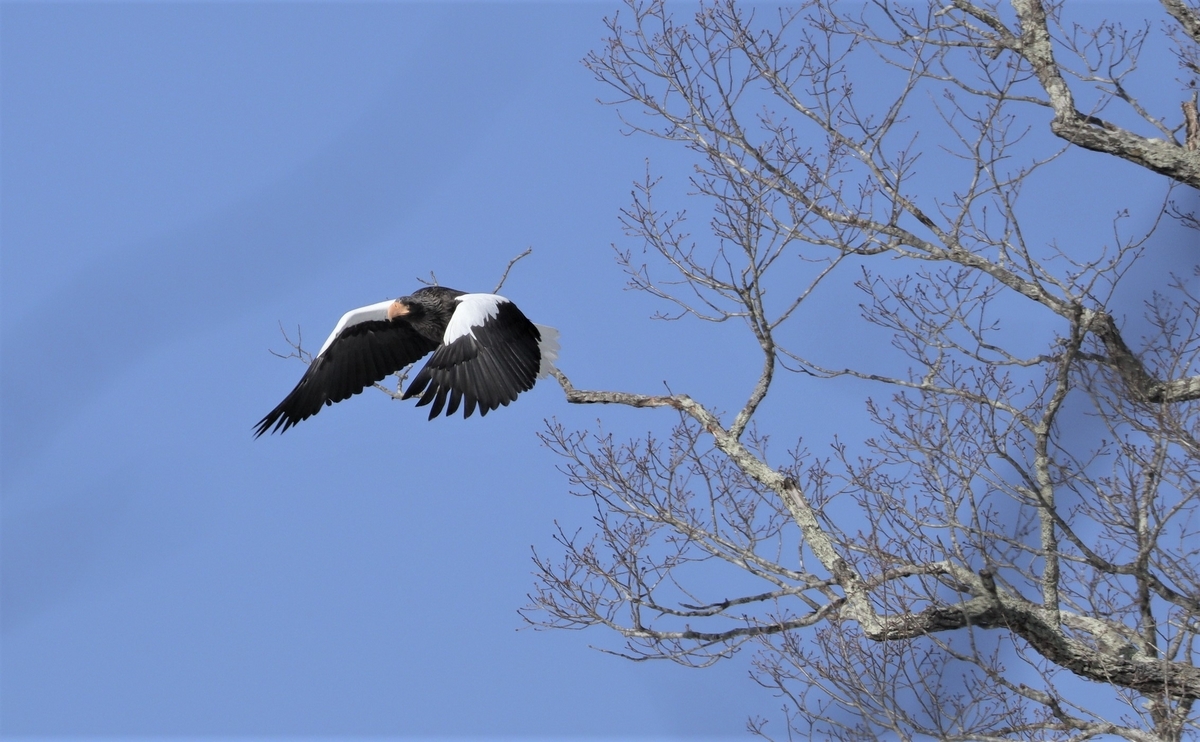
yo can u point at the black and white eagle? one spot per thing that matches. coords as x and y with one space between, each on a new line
485 353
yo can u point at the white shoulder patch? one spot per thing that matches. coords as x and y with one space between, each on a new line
355 316
472 311
549 348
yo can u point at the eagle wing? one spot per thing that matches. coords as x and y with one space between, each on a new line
490 354
363 349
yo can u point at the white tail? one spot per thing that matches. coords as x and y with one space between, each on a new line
549 348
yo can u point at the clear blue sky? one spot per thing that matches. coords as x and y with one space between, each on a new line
179 179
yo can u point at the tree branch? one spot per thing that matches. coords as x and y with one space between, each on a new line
1165 158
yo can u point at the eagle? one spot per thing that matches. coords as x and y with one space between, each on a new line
485 353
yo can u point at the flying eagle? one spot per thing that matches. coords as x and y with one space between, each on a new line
485 353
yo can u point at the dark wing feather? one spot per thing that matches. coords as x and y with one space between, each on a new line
486 368
360 356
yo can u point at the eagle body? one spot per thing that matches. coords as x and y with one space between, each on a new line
485 352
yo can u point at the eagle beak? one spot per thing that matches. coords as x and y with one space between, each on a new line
397 309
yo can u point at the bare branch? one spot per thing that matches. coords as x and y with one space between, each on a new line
507 268
1023 511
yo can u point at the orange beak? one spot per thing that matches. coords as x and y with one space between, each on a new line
397 309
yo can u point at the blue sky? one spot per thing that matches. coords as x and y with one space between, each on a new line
179 179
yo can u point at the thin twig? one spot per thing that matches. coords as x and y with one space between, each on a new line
507 268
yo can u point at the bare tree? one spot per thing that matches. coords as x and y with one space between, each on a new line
1012 553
